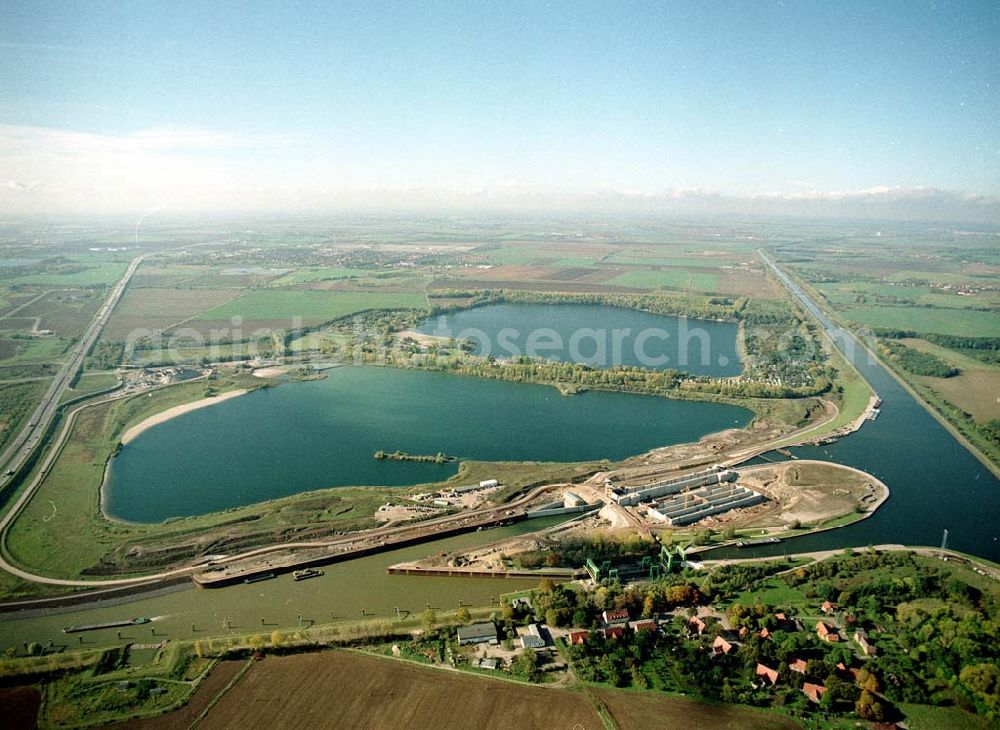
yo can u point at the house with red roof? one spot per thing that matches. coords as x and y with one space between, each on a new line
696 625
615 616
578 637
721 646
769 675
798 665
826 632
614 632
814 692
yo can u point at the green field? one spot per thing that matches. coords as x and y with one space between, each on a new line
773 592
866 292
680 262
310 306
966 323
928 717
82 274
301 276
17 401
681 280
89 383
32 350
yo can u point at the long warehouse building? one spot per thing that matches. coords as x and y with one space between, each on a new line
688 508
628 496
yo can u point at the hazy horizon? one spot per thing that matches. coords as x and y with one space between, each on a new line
857 110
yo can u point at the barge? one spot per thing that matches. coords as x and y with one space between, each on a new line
139 621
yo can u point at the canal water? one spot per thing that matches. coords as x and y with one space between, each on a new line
310 435
595 335
935 483
340 594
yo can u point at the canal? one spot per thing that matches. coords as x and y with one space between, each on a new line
340 594
936 484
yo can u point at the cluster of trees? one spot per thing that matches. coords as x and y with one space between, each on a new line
917 362
986 349
106 355
600 546
729 580
687 305
941 628
563 606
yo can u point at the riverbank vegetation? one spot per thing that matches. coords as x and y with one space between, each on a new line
681 305
916 362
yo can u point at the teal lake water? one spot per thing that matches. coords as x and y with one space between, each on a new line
595 335
301 436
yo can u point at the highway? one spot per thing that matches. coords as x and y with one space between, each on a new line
21 449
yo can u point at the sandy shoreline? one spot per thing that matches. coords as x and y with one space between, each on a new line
166 415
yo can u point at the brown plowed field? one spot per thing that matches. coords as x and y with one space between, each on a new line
338 689
645 710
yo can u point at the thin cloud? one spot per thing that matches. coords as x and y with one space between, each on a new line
188 169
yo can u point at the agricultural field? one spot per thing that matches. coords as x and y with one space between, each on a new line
976 389
321 273
311 307
160 309
17 401
81 273
963 322
340 689
643 710
66 312
161 274
678 279
31 350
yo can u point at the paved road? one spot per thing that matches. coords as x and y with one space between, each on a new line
21 449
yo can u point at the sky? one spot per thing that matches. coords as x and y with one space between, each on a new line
763 105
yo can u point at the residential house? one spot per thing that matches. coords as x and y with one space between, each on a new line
533 639
814 692
578 637
696 625
861 638
769 675
798 665
826 632
615 616
721 646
